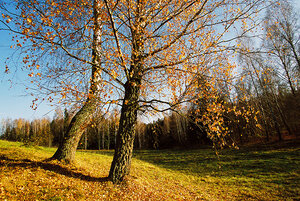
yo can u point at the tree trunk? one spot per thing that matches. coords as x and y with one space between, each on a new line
115 135
285 67
85 140
49 140
99 137
108 137
120 166
140 138
102 138
66 150
284 121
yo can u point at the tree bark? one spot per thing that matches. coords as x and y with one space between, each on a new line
120 166
85 140
103 132
108 136
66 150
99 137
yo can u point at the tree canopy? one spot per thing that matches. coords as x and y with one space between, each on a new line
148 56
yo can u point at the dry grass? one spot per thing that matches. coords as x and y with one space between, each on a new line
155 175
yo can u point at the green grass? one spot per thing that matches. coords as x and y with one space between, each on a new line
246 174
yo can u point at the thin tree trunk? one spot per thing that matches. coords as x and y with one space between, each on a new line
115 135
266 128
260 105
289 39
285 67
140 137
99 137
178 127
278 130
103 132
85 140
49 135
282 116
108 136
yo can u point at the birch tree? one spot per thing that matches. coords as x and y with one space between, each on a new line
140 55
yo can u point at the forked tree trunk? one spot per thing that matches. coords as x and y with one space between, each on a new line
120 166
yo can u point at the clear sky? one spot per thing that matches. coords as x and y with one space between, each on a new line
13 100
13 103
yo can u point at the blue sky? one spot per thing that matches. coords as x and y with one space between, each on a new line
13 102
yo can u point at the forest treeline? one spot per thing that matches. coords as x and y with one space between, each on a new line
277 117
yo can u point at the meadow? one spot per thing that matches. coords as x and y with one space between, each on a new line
250 173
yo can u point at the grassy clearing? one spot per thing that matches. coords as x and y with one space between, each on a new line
247 174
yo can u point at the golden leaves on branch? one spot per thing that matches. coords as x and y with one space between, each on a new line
169 44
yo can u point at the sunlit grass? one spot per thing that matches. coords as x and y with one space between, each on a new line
236 174
246 174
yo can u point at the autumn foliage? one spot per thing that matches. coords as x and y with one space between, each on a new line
141 58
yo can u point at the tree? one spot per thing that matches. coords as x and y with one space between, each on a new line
159 52
50 31
135 51
268 81
282 40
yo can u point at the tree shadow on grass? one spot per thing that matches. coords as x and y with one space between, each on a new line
231 163
50 166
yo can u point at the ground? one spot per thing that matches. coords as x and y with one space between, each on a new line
251 173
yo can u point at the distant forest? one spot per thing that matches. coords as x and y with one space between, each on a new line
277 118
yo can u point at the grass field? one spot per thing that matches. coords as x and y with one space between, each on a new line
264 173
